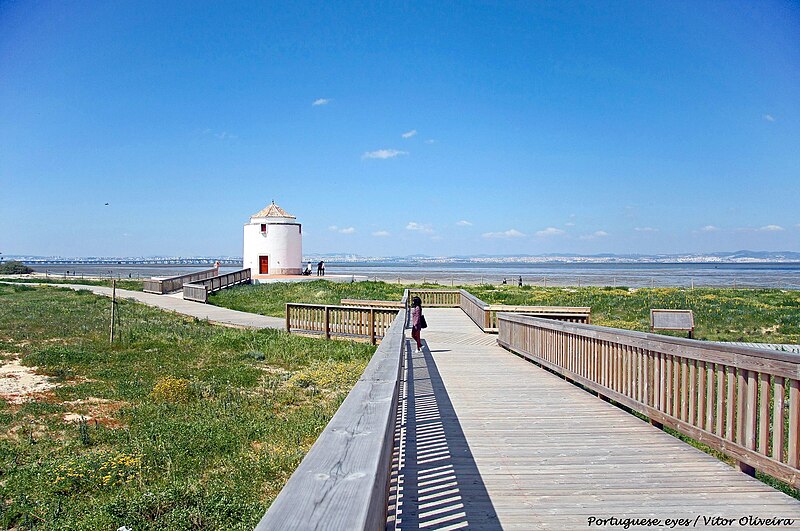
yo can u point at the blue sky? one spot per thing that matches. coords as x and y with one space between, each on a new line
394 128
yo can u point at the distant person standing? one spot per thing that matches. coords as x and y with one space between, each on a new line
520 281
216 267
322 266
417 322
319 268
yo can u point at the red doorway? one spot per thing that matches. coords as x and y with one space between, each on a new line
263 265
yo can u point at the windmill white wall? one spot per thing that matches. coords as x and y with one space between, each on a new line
273 243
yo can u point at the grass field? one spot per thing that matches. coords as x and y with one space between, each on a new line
179 425
757 315
135 285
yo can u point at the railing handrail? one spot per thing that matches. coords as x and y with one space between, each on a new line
689 348
342 306
178 277
372 303
540 309
474 299
343 481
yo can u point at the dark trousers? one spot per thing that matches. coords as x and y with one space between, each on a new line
415 334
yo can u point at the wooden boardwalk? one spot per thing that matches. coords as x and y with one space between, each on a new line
487 440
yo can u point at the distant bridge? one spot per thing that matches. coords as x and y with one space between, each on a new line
134 261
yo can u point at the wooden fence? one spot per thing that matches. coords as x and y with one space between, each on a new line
343 322
168 285
343 481
485 315
741 401
198 291
372 304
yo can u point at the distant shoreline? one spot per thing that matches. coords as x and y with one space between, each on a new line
721 275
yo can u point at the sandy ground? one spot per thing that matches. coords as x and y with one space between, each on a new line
19 383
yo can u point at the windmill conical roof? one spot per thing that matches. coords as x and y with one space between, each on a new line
272 211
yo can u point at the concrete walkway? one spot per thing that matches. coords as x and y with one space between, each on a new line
214 314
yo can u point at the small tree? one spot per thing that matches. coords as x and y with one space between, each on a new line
12 267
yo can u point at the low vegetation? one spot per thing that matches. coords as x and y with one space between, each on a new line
13 267
178 425
757 315
135 285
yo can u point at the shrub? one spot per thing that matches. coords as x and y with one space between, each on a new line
171 389
13 267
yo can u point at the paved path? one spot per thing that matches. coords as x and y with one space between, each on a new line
491 441
214 314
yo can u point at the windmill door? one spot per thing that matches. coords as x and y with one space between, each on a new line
263 265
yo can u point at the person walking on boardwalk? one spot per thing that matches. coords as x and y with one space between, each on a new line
417 321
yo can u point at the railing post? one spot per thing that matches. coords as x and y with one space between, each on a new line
372 326
326 323
288 320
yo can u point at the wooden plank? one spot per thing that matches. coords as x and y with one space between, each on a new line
778 425
763 414
701 396
794 423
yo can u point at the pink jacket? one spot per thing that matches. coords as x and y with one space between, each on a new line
416 317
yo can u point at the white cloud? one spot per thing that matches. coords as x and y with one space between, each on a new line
569 224
769 118
409 134
709 228
430 141
321 101
464 223
383 154
342 230
510 233
771 228
381 233
595 234
222 135
550 231
419 227
645 229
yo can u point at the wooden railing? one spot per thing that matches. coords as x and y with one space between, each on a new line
743 402
343 481
343 322
476 309
437 298
168 285
485 315
371 303
198 291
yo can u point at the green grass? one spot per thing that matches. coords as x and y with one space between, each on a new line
135 285
757 315
194 425
271 299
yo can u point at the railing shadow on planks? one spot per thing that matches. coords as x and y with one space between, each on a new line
198 291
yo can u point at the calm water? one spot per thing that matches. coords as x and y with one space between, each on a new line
786 276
